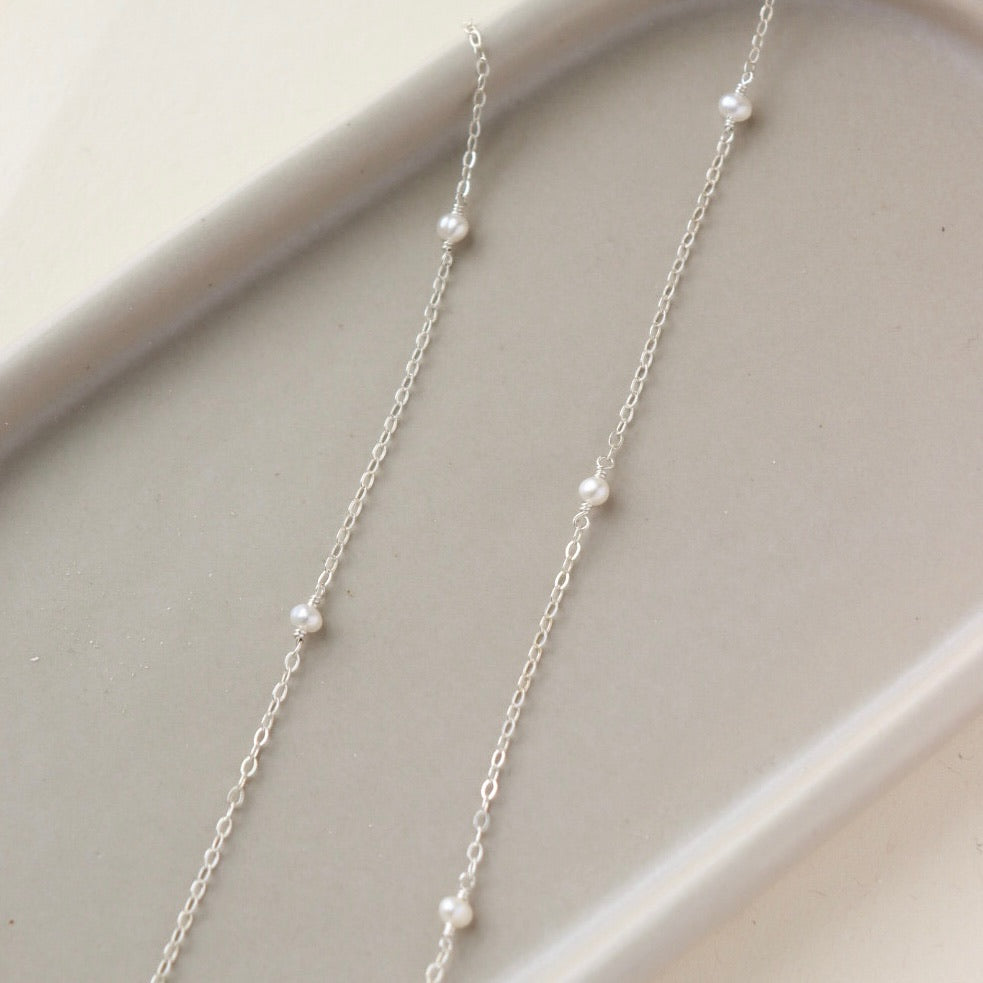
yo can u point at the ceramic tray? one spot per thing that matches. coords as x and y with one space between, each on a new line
777 612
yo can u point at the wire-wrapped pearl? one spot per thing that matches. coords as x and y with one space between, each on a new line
455 911
735 106
594 490
452 227
306 617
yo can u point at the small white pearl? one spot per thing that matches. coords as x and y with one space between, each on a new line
456 912
735 106
594 490
452 227
306 616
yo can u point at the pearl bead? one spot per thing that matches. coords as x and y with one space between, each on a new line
456 912
452 227
306 616
735 106
594 490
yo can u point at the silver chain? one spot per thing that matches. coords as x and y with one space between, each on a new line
306 617
456 910
757 42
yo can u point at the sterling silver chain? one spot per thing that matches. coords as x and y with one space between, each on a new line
306 618
456 910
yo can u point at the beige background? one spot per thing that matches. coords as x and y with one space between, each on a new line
897 893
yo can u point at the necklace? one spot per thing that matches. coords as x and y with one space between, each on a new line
455 911
306 618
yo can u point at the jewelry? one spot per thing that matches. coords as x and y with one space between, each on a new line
456 911
735 107
306 618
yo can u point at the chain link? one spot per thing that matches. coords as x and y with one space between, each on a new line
237 794
683 250
467 880
474 128
617 436
757 42
223 828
